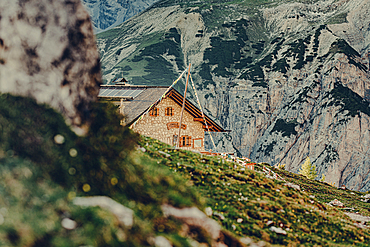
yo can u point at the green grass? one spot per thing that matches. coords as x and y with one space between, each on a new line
39 178
147 64
249 195
338 19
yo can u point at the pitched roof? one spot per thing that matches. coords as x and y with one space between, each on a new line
138 99
195 112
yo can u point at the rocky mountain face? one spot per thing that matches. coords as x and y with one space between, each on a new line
109 13
289 78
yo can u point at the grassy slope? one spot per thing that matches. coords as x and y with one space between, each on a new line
257 200
39 178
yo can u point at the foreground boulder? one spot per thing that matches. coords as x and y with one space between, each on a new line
48 52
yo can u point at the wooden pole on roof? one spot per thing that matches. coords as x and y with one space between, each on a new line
182 109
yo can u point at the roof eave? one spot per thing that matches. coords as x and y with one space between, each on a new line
195 112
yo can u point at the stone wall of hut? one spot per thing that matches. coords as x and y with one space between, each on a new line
164 128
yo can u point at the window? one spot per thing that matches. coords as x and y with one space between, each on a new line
153 112
174 140
169 111
185 141
197 143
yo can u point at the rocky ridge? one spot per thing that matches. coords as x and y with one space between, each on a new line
108 13
290 79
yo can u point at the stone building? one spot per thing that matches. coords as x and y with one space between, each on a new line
159 119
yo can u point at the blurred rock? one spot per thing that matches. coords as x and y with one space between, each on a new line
336 202
196 219
161 241
208 211
193 216
124 215
358 217
68 224
48 52
278 230
291 185
219 215
164 153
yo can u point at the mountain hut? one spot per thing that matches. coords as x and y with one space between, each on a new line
159 119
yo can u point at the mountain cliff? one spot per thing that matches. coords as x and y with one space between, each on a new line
109 13
289 78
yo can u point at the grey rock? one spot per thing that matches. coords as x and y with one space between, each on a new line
358 217
193 216
106 14
246 240
360 225
164 153
367 196
123 214
291 185
208 211
336 202
278 230
48 52
161 241
219 215
68 224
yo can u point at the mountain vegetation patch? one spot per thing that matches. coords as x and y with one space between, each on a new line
331 154
285 127
341 46
269 148
226 54
281 65
349 100
338 19
158 69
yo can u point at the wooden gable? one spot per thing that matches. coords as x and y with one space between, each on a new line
195 112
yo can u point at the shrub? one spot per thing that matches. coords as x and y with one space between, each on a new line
308 169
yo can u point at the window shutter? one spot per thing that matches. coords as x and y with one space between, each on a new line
188 141
169 111
153 112
185 141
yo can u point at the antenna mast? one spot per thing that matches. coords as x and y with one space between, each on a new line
183 106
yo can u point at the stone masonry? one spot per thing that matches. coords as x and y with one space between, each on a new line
156 126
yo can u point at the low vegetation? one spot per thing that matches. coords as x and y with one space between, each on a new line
248 203
308 169
286 128
348 100
44 166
